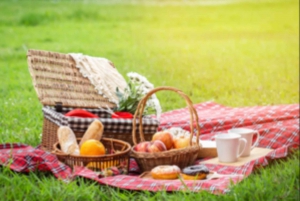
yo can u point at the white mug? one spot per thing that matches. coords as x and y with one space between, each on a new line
248 135
228 145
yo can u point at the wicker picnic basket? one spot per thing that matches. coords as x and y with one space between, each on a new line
180 157
119 157
61 87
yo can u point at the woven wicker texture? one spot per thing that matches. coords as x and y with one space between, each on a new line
180 157
98 162
57 80
49 136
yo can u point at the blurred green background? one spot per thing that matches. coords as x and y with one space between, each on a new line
236 53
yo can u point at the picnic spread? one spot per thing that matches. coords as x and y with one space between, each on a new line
175 150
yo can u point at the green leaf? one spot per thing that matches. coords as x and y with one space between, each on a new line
119 94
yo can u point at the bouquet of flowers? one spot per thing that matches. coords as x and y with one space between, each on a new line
138 87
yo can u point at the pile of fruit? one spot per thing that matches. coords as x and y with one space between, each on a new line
163 141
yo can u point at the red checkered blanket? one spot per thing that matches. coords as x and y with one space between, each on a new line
278 126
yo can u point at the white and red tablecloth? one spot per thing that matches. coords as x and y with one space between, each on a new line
278 126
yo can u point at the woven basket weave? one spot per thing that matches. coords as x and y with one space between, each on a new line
98 162
58 82
49 136
56 79
180 157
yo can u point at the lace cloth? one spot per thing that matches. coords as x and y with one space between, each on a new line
102 74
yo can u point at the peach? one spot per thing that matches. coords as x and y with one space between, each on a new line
181 142
156 146
165 137
141 147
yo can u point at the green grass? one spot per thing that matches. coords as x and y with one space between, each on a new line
240 54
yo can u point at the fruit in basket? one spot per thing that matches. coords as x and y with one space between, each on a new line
165 137
181 142
92 148
141 147
156 146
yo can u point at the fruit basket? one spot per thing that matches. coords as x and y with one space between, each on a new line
61 87
181 157
117 156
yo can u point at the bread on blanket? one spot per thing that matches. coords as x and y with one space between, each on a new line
94 131
67 140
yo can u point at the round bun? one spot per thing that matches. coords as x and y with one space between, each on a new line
165 172
195 172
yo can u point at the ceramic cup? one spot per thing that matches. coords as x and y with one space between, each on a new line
228 145
248 135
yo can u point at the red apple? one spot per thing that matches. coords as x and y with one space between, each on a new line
156 146
141 147
165 137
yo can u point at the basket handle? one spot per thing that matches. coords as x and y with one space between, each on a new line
141 106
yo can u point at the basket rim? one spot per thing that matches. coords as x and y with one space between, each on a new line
170 152
57 151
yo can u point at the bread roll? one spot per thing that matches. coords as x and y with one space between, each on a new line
67 140
94 131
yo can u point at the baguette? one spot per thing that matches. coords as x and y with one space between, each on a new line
67 140
94 131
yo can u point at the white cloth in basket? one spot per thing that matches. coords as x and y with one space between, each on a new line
102 74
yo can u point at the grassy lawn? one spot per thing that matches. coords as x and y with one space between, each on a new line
237 54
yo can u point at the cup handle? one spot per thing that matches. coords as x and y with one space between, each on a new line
242 140
256 141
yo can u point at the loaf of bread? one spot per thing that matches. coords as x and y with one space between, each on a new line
94 131
67 140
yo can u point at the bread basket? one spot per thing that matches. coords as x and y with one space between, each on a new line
120 157
180 157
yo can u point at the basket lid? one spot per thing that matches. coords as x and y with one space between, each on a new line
57 80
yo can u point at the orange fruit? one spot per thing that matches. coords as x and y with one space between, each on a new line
92 148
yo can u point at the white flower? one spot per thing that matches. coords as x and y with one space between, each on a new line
143 86
139 80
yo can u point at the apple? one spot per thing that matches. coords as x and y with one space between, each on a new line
181 142
165 137
141 147
156 146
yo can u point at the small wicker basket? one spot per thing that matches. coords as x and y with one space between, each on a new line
180 157
121 158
